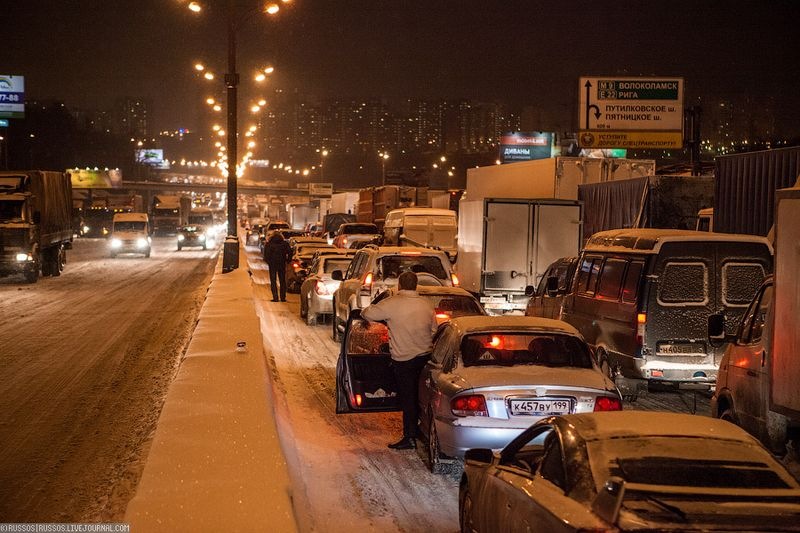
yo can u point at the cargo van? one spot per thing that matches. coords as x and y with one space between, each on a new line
422 226
130 234
643 297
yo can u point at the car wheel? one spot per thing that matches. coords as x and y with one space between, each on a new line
112 255
342 405
147 254
303 307
335 333
179 247
434 452
465 511
32 275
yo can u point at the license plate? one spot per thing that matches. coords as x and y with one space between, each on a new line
683 348
531 406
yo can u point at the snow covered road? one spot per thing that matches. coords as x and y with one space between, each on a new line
340 464
85 361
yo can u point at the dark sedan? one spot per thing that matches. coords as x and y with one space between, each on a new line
628 471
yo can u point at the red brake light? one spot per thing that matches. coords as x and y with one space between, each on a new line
358 399
494 342
469 405
296 264
442 316
368 279
455 280
607 403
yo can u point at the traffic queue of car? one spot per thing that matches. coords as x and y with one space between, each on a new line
526 405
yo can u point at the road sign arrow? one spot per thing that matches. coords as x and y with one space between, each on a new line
590 106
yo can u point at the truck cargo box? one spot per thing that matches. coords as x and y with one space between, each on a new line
744 197
785 369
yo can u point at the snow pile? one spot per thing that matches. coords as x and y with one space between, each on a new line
216 462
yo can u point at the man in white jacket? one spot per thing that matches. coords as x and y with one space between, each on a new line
411 321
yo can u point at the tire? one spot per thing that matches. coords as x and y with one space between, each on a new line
179 247
47 263
112 255
303 307
336 335
147 254
342 404
55 263
434 452
465 511
32 275
205 247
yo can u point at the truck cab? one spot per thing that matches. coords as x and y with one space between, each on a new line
130 234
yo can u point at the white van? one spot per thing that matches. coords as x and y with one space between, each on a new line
422 226
130 234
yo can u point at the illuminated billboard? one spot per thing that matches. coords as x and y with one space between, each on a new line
518 146
84 178
12 96
153 157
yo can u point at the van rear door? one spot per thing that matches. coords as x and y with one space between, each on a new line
695 280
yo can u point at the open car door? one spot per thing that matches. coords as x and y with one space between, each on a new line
364 376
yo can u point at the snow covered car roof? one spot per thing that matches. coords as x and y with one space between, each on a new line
649 241
636 424
473 324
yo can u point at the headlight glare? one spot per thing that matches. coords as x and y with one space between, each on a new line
23 257
141 243
181 237
116 243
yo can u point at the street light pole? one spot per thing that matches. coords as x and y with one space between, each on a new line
230 259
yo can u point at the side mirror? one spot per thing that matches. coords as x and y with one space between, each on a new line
716 330
336 275
479 455
530 290
552 286
609 499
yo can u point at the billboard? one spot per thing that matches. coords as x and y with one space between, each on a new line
320 189
84 178
12 96
516 146
153 157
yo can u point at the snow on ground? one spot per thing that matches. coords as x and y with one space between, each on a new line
345 477
85 360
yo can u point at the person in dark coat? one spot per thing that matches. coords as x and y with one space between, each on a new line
277 253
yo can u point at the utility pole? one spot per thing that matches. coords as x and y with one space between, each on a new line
230 259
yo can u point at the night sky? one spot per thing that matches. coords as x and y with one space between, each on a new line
89 52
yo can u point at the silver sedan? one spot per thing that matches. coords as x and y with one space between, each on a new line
490 377
316 292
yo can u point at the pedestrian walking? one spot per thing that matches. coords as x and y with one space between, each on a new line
411 321
277 253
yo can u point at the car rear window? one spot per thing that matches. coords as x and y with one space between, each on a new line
683 283
740 281
360 228
335 264
391 266
455 306
511 349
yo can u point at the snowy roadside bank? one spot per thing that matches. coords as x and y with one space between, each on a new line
215 463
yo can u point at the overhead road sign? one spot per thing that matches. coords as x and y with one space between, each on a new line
643 113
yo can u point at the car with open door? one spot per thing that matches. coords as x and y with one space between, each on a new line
488 378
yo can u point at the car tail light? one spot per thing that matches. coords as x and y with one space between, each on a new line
641 322
368 279
296 265
442 316
344 241
607 403
469 405
358 399
321 289
455 280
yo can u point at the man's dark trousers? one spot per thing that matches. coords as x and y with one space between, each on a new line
278 271
407 375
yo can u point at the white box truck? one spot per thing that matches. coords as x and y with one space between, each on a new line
757 384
